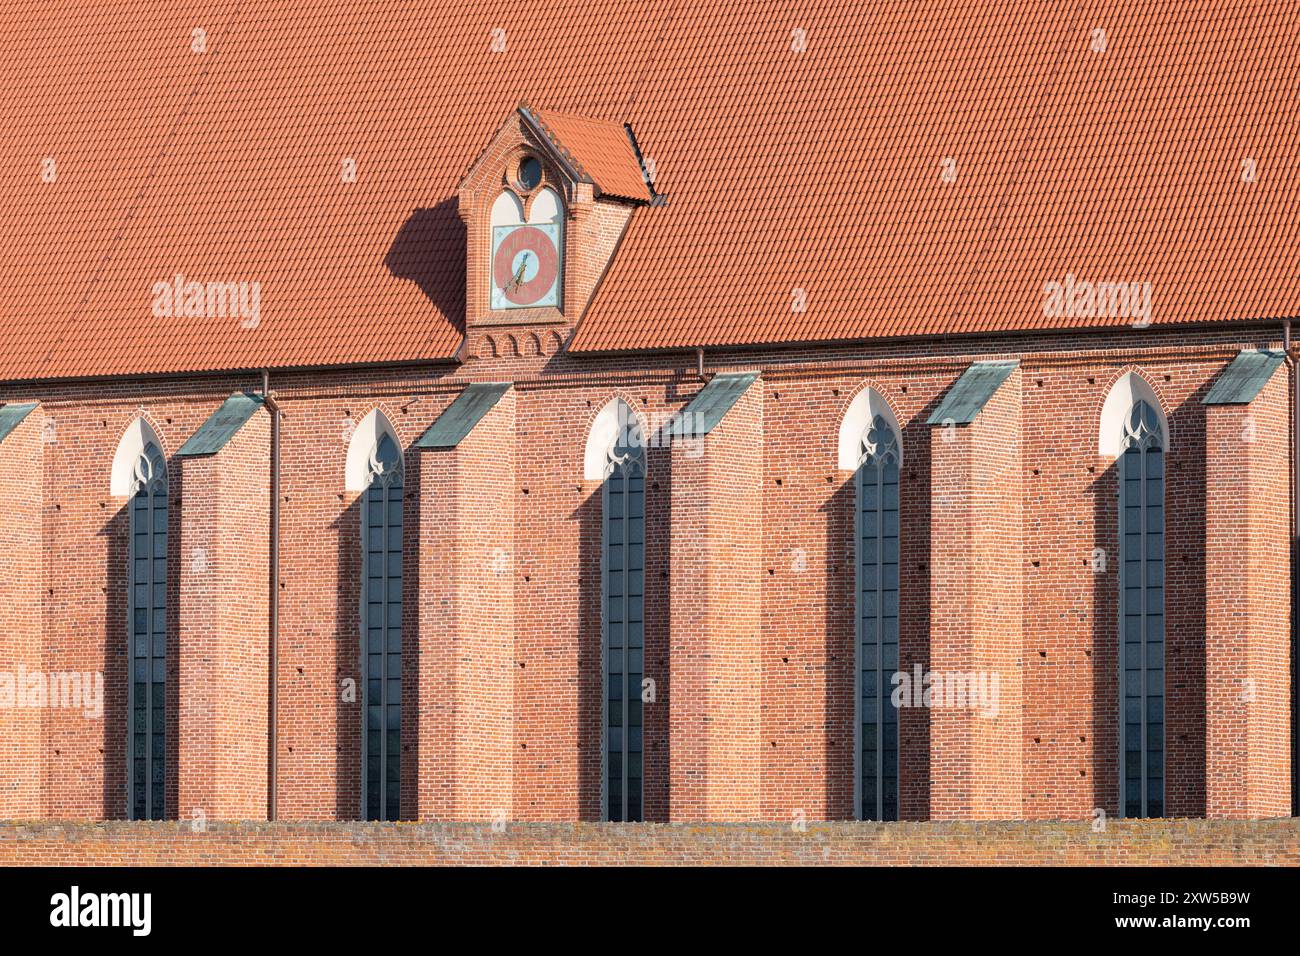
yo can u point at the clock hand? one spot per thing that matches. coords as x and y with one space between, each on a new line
518 280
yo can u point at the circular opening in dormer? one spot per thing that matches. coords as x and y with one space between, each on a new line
529 173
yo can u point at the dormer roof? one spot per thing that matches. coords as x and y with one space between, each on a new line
598 151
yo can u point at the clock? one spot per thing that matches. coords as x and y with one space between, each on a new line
526 266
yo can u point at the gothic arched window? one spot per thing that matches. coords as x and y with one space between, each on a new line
1141 472
147 617
381 632
623 631
876 524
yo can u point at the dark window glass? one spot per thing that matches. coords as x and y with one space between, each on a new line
877 622
381 634
530 173
147 638
1141 627
623 573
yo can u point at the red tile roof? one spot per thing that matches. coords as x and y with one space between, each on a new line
840 171
600 150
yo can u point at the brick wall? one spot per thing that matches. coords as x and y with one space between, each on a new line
1122 843
85 565
803 628
223 520
21 492
466 623
1247 607
1071 689
319 741
715 611
976 612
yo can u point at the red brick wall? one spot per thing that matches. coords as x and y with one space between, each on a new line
1071 688
319 741
1247 602
466 622
808 600
85 564
1121 843
803 634
976 612
21 491
716 585
223 520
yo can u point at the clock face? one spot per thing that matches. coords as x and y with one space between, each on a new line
526 266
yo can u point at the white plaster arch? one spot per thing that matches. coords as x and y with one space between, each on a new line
546 206
365 439
605 428
1131 387
507 210
866 405
137 435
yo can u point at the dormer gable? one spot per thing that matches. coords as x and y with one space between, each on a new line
544 207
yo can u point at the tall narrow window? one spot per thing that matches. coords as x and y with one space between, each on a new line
1142 612
381 629
147 614
623 572
877 621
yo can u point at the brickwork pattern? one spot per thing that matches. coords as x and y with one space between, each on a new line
1247 607
1122 843
222 624
22 758
976 612
466 623
800 513
716 600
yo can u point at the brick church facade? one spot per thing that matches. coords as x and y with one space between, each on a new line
474 420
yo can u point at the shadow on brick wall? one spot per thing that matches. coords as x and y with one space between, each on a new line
347 656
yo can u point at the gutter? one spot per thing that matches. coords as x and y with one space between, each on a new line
273 602
1293 388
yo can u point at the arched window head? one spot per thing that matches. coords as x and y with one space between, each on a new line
880 443
1143 429
860 419
150 470
616 434
364 459
628 450
124 476
1123 397
546 206
385 462
507 210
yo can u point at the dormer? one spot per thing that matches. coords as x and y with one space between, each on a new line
544 208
